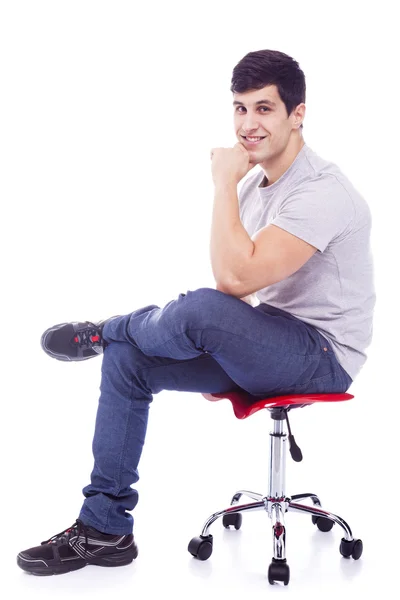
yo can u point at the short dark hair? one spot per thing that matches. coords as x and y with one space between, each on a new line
270 67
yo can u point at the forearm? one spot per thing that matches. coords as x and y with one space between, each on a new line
230 246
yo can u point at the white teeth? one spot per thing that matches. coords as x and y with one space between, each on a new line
253 139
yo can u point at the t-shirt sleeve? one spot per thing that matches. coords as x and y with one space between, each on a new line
316 211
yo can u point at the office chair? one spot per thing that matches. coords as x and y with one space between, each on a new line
276 502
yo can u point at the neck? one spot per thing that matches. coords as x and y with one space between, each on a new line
275 167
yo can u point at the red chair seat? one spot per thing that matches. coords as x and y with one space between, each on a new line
244 404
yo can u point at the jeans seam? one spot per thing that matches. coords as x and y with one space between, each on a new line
122 455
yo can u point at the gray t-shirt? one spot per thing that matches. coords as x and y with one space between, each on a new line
334 291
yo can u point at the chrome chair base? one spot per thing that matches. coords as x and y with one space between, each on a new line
276 504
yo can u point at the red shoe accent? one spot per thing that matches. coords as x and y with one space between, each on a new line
95 338
76 339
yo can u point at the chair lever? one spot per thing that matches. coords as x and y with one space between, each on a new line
293 447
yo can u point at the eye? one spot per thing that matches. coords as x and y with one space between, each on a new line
265 107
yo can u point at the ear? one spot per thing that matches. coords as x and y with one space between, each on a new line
299 113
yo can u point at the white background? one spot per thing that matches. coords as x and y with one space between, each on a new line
108 113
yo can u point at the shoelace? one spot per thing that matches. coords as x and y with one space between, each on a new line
76 529
88 336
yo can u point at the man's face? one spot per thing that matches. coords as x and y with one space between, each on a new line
268 119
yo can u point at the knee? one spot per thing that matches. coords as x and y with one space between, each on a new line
200 300
122 355
204 295
122 363
201 306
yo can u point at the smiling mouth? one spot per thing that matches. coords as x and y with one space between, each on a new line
251 142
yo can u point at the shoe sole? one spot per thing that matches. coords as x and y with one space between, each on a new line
116 560
63 357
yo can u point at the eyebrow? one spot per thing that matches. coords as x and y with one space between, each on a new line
257 103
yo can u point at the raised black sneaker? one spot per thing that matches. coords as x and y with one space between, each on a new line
76 547
74 341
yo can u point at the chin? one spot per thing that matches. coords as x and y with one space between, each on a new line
258 157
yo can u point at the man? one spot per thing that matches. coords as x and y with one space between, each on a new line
297 236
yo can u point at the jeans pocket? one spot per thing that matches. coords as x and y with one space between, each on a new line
332 383
319 385
340 379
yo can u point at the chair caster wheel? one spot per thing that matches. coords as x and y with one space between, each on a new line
322 523
234 519
353 548
201 547
278 571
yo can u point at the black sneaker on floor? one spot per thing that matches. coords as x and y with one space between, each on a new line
76 547
74 341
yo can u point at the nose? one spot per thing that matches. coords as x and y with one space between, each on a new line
249 125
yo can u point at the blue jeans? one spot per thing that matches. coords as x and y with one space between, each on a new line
204 341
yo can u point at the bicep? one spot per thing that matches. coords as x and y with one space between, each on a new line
277 255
